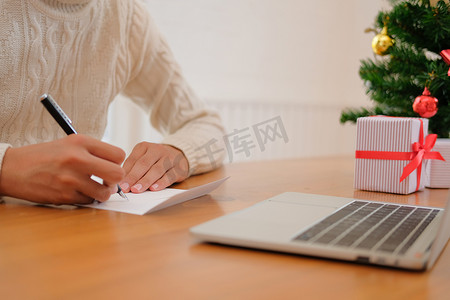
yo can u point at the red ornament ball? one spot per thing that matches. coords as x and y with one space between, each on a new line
425 105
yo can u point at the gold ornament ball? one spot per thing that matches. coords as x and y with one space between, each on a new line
382 42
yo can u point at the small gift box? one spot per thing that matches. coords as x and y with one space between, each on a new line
439 171
390 153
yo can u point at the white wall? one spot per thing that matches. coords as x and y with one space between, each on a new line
283 55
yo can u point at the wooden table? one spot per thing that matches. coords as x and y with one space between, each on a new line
83 253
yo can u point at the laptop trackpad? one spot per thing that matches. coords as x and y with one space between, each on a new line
279 218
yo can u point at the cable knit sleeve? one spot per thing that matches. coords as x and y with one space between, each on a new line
3 148
158 86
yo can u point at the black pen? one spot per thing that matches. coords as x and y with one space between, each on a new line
65 123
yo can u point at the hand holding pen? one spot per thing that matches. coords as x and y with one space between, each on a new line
66 124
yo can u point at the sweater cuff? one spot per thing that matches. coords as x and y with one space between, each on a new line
3 148
201 159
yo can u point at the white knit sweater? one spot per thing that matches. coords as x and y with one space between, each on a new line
84 53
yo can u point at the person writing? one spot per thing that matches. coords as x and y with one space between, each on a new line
85 53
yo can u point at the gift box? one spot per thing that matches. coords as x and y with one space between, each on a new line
390 152
439 171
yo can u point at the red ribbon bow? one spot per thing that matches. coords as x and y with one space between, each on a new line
420 150
446 57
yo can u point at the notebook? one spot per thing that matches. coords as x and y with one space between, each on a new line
387 234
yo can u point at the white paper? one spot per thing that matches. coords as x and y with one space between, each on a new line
146 202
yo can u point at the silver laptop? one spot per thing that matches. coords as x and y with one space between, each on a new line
388 234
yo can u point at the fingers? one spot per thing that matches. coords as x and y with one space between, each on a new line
98 158
139 151
79 198
155 167
66 197
168 179
97 191
100 149
68 190
108 171
136 166
156 171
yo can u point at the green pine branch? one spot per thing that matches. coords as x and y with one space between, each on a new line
392 82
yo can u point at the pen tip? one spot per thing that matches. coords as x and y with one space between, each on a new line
122 194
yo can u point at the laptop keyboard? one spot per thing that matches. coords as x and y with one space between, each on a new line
371 226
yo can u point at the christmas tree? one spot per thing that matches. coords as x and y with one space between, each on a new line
412 36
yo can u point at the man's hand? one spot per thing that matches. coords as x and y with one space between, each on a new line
154 167
59 172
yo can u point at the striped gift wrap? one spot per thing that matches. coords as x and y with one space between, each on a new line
387 134
439 171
